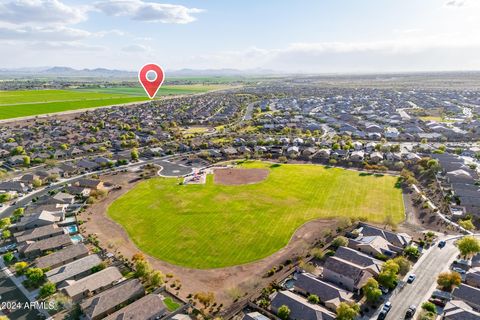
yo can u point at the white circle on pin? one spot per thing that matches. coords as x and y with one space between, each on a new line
151 75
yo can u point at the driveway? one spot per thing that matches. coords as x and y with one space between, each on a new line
430 264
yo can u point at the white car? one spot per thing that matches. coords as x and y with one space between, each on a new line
411 278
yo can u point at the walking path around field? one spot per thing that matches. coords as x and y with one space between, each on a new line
441 215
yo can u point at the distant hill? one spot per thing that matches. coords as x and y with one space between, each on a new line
59 71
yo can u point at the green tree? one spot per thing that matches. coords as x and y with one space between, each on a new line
283 312
371 290
47 289
36 183
468 246
134 154
20 267
313 298
26 161
4 197
388 275
8 257
340 241
18 213
142 269
156 278
5 223
17 151
347 311
6 234
411 252
35 275
448 280
428 306
99 267
467 224
403 263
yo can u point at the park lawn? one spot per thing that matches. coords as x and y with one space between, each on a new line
435 118
192 131
212 226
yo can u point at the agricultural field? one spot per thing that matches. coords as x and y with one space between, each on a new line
164 90
16 104
215 225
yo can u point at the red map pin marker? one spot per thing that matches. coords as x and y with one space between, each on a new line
151 77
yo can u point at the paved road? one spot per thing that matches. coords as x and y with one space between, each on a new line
249 112
170 169
434 261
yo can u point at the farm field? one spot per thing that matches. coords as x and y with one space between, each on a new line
15 104
164 90
215 225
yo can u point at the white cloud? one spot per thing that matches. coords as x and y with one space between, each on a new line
137 48
455 3
148 11
65 46
40 11
43 34
440 52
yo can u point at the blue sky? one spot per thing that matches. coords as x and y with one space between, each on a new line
317 36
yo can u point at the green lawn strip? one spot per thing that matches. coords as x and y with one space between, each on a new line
170 304
212 226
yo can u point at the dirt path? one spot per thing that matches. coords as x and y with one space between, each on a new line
224 282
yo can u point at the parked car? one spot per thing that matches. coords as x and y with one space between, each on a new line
459 270
410 311
382 315
437 302
386 308
442 244
411 278
384 290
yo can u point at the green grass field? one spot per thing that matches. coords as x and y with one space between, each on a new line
15 104
163 91
211 226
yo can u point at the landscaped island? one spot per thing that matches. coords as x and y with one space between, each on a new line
215 225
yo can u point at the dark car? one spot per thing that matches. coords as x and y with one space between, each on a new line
386 308
382 315
442 244
437 302
410 312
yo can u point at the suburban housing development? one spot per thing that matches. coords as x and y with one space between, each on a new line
239 160
286 199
